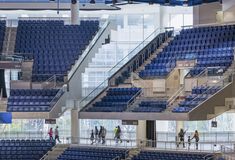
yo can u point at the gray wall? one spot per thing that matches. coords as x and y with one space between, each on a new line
206 13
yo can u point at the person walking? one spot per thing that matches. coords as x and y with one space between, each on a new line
100 134
50 133
181 136
196 136
57 134
92 137
189 142
119 132
103 135
96 134
115 134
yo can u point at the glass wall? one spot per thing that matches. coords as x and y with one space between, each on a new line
86 125
35 128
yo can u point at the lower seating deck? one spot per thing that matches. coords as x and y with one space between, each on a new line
156 155
92 153
24 149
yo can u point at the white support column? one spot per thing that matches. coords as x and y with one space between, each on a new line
141 132
179 125
74 12
74 127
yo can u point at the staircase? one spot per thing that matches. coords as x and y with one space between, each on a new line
132 153
220 102
55 152
9 41
154 55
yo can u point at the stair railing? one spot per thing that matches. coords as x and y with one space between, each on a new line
181 90
132 100
221 83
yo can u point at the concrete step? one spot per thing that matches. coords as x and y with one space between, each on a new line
56 151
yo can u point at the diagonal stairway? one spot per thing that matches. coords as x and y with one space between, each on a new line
55 152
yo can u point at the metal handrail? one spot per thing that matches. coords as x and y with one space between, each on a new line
87 50
56 98
208 24
211 87
175 95
133 97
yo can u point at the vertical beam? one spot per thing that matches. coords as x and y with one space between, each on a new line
179 125
141 132
151 133
74 126
74 12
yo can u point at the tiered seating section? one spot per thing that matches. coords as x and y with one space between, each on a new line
151 155
151 106
32 100
85 153
24 149
53 45
198 95
116 100
2 33
209 46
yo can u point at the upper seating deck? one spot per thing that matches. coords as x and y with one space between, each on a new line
52 45
209 46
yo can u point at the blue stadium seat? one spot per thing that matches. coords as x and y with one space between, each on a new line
197 96
92 153
52 45
32 100
116 100
211 47
24 149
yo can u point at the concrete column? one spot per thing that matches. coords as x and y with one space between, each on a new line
74 12
179 125
74 127
141 132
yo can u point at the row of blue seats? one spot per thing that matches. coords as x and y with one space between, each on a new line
33 92
29 108
24 149
208 28
37 37
32 100
43 77
151 106
116 100
158 155
198 95
84 153
166 60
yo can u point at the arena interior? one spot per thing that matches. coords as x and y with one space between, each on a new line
117 80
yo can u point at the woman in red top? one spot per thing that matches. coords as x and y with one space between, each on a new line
50 133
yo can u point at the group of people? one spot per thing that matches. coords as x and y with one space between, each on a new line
181 136
56 134
98 135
